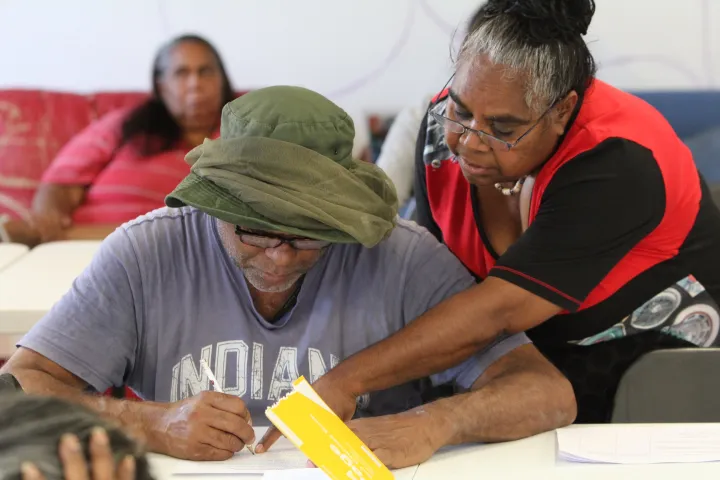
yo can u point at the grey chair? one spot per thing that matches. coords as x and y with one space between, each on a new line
671 386
715 192
690 112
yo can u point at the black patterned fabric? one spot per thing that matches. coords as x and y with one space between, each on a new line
595 370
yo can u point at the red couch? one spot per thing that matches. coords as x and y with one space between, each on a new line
34 125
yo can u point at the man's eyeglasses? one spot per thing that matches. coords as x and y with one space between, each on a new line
264 240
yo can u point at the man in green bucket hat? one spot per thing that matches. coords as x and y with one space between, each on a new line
280 255
288 167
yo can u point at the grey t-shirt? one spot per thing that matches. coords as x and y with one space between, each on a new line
161 294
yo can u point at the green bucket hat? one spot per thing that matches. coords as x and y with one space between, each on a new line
284 163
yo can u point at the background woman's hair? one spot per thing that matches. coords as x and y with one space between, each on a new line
151 121
31 428
541 39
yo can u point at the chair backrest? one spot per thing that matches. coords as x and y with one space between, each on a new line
671 386
689 112
715 192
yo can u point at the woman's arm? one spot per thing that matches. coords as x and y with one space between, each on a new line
19 231
78 164
89 232
519 395
444 336
53 207
441 338
593 213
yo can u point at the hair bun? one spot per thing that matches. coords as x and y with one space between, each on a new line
546 21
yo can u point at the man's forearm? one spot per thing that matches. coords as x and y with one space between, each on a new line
510 407
132 416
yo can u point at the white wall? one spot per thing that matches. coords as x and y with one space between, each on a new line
370 55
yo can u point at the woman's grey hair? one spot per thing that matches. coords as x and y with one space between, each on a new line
538 40
31 428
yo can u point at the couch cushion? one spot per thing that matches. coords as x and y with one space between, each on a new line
689 112
106 102
34 125
706 153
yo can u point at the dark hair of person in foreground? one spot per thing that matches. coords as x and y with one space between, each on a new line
31 428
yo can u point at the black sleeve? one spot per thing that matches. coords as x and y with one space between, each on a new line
422 204
596 208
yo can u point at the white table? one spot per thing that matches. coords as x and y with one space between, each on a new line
536 458
531 458
9 252
38 279
164 467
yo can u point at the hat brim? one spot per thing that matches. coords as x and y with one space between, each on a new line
208 197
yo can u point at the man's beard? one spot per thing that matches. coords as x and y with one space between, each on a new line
254 277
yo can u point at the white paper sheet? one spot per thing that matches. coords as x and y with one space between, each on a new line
640 444
297 474
283 455
317 474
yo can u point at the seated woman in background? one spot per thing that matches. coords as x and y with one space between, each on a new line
46 437
123 165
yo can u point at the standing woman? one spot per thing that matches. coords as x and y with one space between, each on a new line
574 203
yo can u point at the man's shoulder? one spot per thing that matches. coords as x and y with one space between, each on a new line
164 219
408 234
407 242
160 237
415 247
172 228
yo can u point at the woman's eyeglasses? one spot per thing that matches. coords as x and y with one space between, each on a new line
437 111
453 126
264 240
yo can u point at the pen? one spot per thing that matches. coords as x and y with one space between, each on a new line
216 387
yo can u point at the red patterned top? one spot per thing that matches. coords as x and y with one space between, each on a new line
122 184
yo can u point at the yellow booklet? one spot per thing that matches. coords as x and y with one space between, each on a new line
306 420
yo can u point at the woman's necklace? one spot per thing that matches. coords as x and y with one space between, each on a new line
514 190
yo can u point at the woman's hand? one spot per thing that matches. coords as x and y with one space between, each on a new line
23 232
336 396
50 225
75 467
